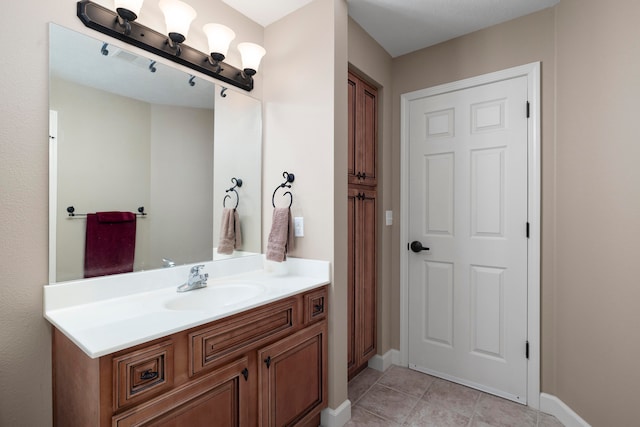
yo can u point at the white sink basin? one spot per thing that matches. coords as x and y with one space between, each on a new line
214 296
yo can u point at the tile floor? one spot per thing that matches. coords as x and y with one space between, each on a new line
402 397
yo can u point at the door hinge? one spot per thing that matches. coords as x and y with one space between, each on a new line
527 230
528 109
526 350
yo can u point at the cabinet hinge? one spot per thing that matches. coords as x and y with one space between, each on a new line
528 109
527 230
526 350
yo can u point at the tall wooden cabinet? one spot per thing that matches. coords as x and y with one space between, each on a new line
362 202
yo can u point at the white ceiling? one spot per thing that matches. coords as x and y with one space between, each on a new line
266 12
403 26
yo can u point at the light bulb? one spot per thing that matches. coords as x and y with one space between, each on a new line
132 6
251 56
178 16
219 38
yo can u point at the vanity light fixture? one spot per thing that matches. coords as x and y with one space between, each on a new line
178 16
170 45
127 11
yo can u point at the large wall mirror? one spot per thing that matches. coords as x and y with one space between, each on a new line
128 132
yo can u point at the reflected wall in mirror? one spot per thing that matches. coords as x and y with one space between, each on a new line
238 133
130 132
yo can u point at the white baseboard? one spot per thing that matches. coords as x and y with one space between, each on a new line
336 417
382 363
550 404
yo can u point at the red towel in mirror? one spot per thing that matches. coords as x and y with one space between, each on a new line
110 243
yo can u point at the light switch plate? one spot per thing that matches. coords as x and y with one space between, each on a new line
298 226
389 217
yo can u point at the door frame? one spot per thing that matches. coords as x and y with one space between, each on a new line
532 72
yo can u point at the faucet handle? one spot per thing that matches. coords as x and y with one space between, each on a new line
196 269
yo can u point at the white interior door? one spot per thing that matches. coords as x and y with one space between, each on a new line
468 204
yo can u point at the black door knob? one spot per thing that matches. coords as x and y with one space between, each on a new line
417 247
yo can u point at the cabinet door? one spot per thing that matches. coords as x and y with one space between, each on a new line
353 266
219 399
293 378
366 285
361 294
363 131
351 158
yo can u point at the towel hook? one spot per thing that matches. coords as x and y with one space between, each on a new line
237 182
288 178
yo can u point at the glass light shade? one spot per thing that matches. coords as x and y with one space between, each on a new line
131 5
251 55
219 38
178 16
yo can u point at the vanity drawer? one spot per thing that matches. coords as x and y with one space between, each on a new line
142 374
315 306
208 347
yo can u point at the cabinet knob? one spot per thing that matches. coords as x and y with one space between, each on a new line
245 374
267 361
318 308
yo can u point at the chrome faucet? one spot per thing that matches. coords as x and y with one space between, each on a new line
196 280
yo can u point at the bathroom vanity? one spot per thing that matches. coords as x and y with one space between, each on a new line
248 350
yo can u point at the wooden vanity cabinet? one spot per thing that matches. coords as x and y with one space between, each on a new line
212 375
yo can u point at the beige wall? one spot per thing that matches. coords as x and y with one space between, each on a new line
25 359
180 226
597 286
300 73
373 63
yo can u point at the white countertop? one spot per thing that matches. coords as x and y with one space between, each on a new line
111 313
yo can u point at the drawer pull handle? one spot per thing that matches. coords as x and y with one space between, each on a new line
318 308
148 375
245 374
268 361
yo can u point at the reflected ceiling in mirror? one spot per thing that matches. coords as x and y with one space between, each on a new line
128 132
